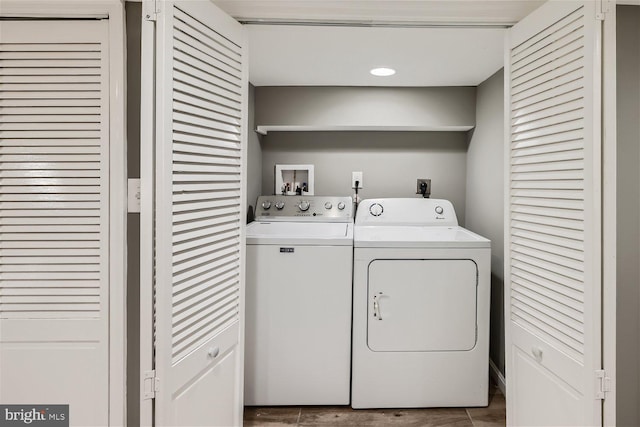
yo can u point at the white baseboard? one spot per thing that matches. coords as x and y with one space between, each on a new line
498 378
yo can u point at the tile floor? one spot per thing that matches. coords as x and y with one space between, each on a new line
278 416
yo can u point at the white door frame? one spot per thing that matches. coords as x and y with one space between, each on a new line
113 10
609 190
147 203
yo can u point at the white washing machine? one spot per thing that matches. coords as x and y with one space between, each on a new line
420 307
298 301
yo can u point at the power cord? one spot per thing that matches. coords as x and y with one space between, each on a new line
356 199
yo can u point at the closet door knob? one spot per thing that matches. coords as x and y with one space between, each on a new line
213 352
537 353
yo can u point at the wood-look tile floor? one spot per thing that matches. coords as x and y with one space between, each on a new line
278 416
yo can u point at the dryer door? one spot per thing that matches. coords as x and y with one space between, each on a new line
422 305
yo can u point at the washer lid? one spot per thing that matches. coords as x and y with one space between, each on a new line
300 233
417 237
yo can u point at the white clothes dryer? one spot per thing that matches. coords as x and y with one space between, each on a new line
298 301
420 307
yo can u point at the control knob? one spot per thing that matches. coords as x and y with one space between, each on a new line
376 209
304 205
439 210
328 205
279 205
341 205
266 205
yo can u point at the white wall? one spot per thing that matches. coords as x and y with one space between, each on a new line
422 107
628 217
390 161
485 196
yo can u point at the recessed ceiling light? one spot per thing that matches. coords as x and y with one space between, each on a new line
383 72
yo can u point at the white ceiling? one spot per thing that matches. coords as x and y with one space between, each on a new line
340 56
377 11
377 33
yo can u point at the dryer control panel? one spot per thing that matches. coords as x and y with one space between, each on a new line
304 208
407 212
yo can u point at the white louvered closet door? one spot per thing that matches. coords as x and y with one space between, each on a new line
553 253
201 114
54 223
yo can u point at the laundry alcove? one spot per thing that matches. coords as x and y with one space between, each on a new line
465 156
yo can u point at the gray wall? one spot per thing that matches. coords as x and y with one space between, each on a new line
365 106
134 17
485 195
254 155
390 161
628 217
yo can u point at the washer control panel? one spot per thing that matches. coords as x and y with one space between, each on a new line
304 208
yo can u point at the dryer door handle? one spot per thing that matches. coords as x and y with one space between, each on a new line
376 307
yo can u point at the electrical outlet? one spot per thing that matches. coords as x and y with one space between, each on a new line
419 183
356 176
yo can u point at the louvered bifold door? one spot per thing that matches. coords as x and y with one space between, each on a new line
553 217
54 225
201 110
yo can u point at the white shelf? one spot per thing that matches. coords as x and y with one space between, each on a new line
311 128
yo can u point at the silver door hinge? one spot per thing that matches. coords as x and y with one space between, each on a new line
151 384
150 10
602 8
603 384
